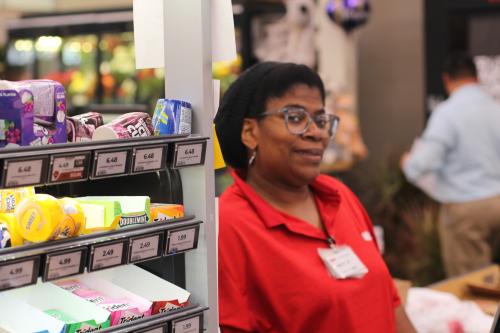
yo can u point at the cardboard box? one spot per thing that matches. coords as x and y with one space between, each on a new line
14 313
139 306
46 296
165 296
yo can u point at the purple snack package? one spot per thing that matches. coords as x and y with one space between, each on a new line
18 120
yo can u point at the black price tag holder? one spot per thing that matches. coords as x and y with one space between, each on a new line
157 329
111 163
66 263
147 247
17 266
66 168
181 240
193 324
25 171
186 154
99 252
149 159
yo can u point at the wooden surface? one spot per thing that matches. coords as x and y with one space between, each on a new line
458 286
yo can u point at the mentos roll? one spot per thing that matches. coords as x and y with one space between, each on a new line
129 125
172 117
81 127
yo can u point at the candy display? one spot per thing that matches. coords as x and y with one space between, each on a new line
81 127
32 113
172 117
164 212
129 125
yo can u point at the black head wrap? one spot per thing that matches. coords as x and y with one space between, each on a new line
234 107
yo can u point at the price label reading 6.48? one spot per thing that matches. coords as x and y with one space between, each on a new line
20 173
148 159
111 163
189 154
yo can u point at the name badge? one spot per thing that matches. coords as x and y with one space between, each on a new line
342 262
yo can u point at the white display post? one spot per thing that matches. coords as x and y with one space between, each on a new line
188 76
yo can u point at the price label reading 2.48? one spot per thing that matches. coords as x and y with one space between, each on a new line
111 163
109 255
20 173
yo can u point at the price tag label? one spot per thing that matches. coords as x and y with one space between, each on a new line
190 325
61 265
155 330
148 159
109 255
145 248
182 240
189 154
19 273
111 163
21 173
69 168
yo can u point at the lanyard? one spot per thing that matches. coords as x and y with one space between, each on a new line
331 241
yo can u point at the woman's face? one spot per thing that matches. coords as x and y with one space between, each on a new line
291 159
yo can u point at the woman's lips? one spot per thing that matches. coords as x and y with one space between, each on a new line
311 155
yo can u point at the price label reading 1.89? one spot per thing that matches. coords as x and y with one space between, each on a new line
191 325
62 265
148 159
18 274
181 240
111 164
109 255
144 248
189 154
20 173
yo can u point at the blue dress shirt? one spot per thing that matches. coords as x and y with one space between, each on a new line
457 158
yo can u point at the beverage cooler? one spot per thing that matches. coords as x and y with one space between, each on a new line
92 54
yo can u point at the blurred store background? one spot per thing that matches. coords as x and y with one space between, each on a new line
380 60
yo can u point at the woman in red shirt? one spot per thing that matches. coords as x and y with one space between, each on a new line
297 252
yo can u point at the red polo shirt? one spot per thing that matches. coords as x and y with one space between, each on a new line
271 278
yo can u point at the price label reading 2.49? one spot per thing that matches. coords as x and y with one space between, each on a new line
109 255
20 173
144 248
111 163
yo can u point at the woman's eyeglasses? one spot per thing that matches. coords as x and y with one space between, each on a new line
298 120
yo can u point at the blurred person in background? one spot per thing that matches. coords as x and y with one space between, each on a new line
297 251
456 161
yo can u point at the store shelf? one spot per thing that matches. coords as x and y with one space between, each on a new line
21 266
188 320
71 162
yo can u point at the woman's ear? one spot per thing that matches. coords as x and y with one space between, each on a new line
250 133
